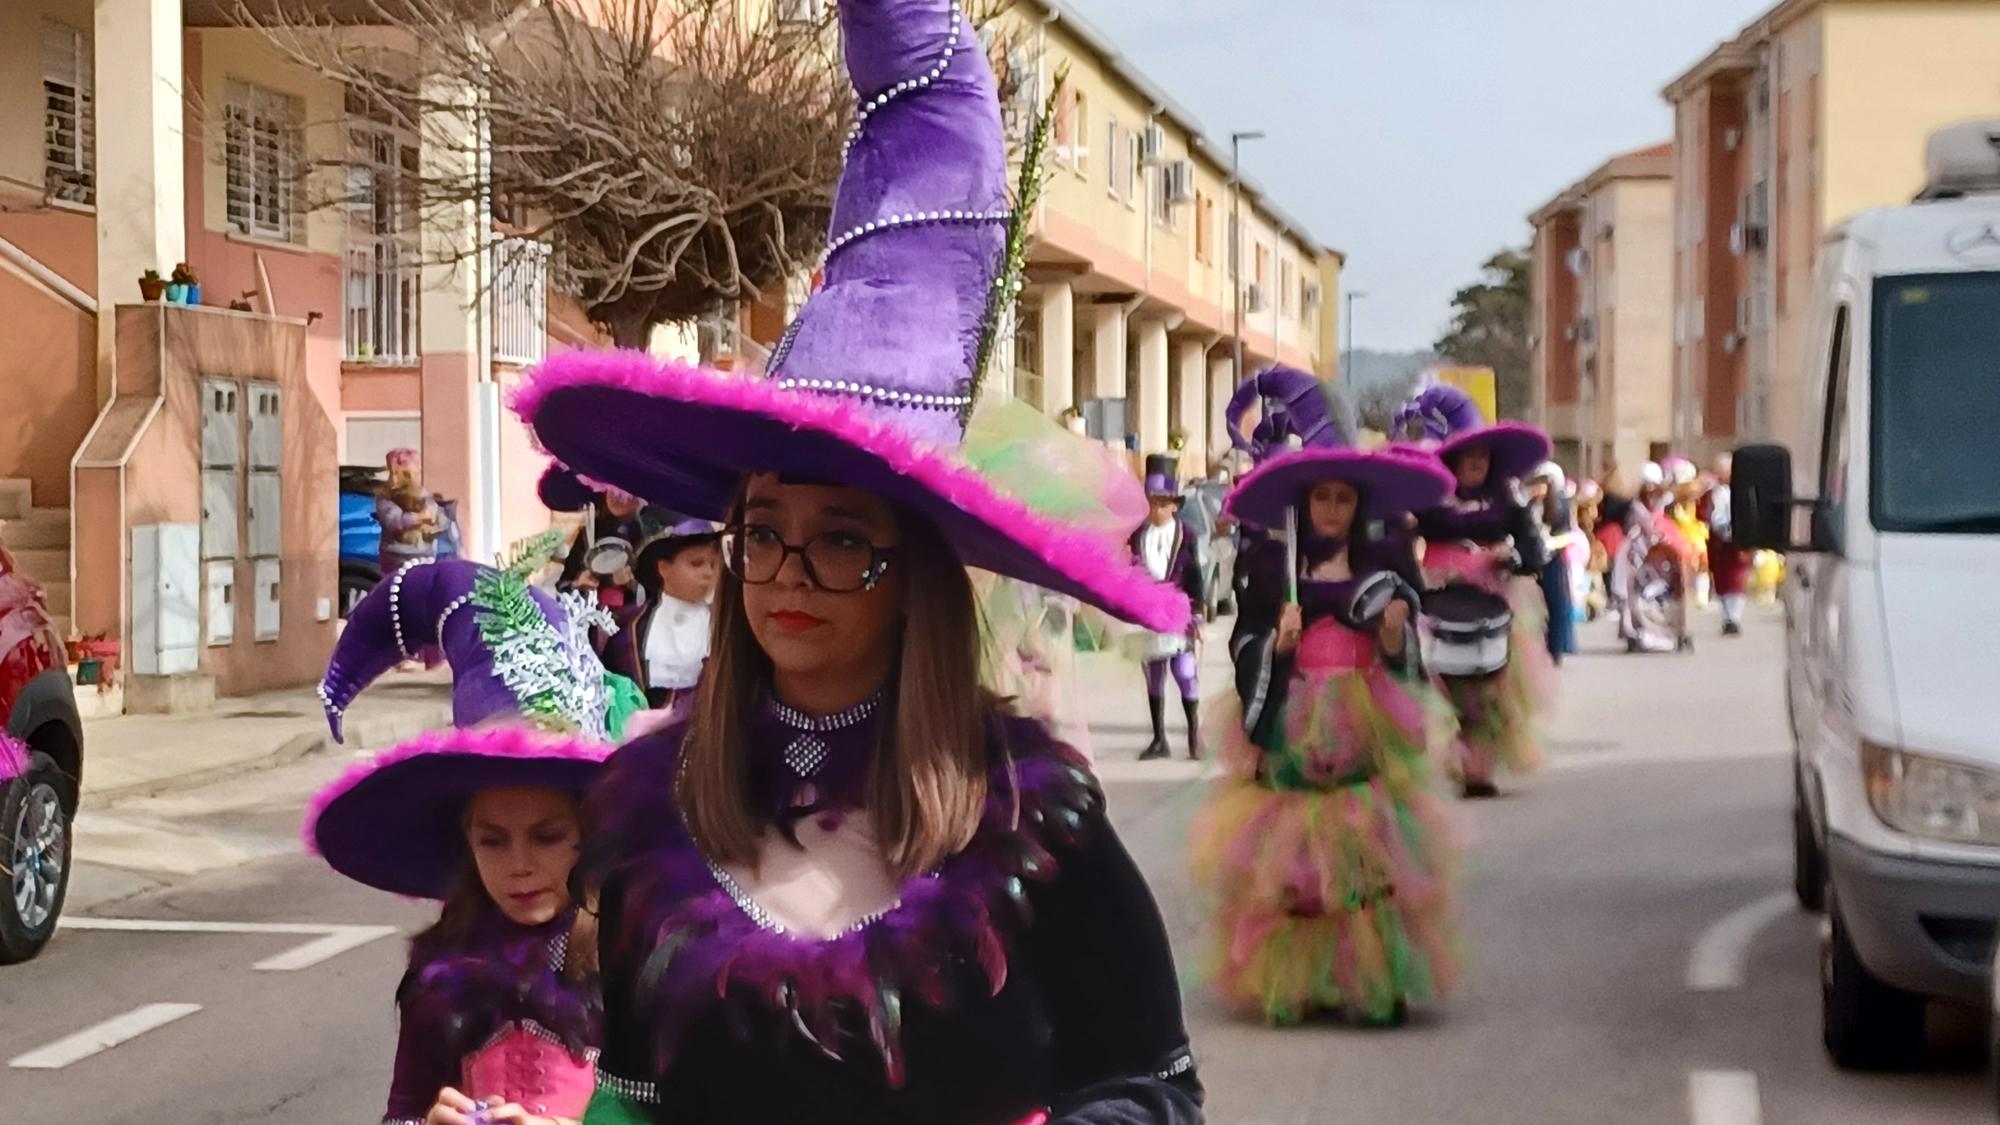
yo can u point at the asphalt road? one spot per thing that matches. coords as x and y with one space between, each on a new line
1655 846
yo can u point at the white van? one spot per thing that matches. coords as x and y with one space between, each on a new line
1893 604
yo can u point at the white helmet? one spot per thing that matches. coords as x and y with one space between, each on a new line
1651 475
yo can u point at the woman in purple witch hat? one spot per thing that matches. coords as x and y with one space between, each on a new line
1485 536
1325 846
499 1023
1164 546
853 885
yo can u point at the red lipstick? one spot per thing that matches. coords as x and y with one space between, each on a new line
796 621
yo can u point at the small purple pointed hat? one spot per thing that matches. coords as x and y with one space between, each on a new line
871 385
1447 416
528 709
1298 407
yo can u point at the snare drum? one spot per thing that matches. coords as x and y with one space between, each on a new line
1468 631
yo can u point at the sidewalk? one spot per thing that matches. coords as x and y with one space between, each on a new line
1110 690
143 755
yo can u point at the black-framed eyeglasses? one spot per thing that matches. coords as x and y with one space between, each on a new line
839 562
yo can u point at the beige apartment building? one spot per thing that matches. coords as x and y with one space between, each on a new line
1602 314
1129 322
1816 110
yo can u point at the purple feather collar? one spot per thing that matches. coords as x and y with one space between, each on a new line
703 950
509 974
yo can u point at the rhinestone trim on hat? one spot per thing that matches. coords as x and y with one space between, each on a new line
396 603
884 394
457 603
867 109
916 218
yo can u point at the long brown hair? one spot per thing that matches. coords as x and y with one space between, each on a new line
927 784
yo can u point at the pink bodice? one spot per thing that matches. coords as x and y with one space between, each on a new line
527 1065
1328 646
1466 562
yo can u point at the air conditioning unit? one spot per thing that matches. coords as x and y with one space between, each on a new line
1577 261
1255 299
1757 235
1738 242
1962 159
1153 144
1180 181
1313 295
1732 139
1732 343
1569 332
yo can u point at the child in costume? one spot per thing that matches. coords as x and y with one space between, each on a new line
662 643
1326 844
1165 547
499 1024
1484 536
853 886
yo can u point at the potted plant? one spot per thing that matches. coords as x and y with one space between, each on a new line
1177 441
152 286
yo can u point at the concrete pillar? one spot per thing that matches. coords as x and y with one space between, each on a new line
1108 336
1058 358
455 342
1190 393
141 155
1152 385
1221 385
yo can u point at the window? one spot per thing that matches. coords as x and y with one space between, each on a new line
1064 129
1112 159
1287 286
70 174
1133 164
1080 157
1204 227
1262 276
1936 342
1833 432
261 129
1162 196
1235 246
520 300
380 275
801 11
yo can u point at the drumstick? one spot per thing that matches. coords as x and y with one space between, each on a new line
1293 444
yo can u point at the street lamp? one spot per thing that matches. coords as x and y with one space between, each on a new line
1347 365
1236 243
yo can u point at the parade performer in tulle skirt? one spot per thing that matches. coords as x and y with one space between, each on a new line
1326 845
1484 536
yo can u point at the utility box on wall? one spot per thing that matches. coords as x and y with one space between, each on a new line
166 599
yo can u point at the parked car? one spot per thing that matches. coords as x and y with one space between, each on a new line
1215 553
1891 602
361 535
38 706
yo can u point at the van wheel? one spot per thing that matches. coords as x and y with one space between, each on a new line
1868 1025
1808 861
35 851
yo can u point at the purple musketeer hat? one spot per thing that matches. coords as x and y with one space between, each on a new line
1300 406
873 383
1447 416
528 708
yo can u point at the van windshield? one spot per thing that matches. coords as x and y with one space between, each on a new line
1936 464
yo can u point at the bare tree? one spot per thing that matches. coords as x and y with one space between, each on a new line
680 157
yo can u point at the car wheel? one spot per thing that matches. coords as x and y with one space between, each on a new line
1868 1024
354 585
1808 861
35 843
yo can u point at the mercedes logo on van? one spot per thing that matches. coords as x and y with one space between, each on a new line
1979 242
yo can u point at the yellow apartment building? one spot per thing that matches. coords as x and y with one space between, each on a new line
1602 331
1814 111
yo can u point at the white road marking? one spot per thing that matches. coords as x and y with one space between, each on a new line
102 1037
331 940
1721 956
1724 1097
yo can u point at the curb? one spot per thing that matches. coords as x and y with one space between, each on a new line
373 734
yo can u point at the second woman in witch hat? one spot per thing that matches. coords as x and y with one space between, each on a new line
1325 845
854 886
496 1014
1484 536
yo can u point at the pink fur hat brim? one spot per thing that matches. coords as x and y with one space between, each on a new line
395 822
684 437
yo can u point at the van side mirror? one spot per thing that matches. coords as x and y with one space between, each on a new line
1760 498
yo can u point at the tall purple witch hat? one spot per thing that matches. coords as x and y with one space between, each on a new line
1303 439
872 384
529 708
1447 416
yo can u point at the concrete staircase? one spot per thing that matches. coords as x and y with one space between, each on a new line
38 538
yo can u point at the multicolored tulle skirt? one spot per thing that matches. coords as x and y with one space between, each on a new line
1331 858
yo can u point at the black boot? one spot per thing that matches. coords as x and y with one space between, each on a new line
1194 728
1157 748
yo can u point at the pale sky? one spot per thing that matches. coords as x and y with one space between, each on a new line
1417 135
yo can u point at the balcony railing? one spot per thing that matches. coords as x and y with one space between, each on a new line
520 300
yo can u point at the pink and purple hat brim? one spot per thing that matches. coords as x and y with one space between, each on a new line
395 822
663 429
1518 449
1390 484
